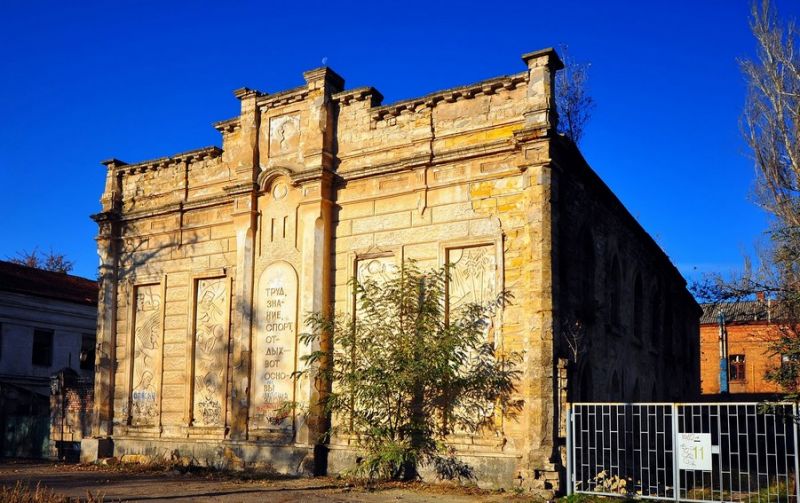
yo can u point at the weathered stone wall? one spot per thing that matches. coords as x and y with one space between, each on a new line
212 258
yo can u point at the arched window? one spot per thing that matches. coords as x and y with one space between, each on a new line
638 308
655 317
614 293
587 280
586 394
615 388
667 333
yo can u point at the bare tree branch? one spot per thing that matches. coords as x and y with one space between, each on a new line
572 99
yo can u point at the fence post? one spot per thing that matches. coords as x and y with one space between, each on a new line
796 461
676 485
569 449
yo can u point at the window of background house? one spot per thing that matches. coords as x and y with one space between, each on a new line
736 368
87 352
42 348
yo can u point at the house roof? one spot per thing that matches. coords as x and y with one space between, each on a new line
743 311
52 285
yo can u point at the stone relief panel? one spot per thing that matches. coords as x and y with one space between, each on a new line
274 346
473 275
146 375
473 279
210 352
378 269
284 135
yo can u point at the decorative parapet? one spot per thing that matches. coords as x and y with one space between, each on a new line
359 94
282 98
199 154
485 87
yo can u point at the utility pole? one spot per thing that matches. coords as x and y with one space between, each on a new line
723 354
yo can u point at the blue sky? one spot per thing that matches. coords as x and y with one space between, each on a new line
84 81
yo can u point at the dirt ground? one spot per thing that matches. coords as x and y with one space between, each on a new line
168 485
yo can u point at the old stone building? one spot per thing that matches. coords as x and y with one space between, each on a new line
213 257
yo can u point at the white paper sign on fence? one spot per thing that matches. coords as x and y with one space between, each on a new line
694 451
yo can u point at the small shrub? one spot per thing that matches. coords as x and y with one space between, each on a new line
21 493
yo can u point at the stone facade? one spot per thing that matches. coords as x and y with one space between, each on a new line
212 258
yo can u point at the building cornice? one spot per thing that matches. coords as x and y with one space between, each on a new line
228 125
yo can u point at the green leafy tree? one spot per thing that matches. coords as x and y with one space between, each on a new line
406 374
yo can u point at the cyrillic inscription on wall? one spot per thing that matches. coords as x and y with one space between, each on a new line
210 352
274 351
146 375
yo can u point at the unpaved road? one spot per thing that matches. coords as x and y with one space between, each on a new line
171 486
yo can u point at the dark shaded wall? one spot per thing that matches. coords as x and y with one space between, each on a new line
625 322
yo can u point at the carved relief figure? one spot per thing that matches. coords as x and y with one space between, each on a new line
146 355
378 269
473 280
210 352
472 275
284 135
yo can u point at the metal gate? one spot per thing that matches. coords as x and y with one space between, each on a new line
684 452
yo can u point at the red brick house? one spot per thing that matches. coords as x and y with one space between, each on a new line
750 326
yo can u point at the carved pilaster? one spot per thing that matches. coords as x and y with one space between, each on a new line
245 214
105 357
316 223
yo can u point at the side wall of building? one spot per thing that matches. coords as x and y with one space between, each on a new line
626 323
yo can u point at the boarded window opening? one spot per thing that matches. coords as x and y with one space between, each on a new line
42 354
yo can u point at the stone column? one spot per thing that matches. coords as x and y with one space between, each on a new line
105 340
